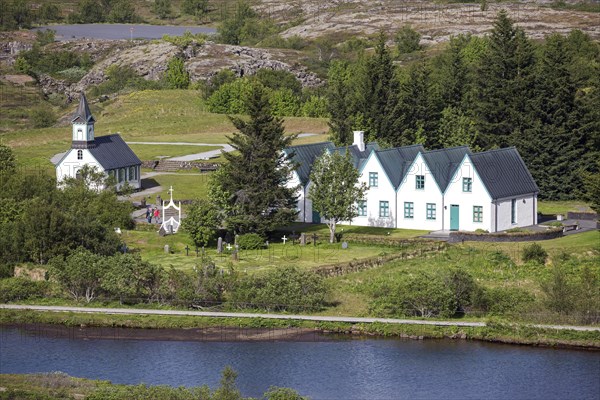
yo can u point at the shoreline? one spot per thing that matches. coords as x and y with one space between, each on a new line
90 326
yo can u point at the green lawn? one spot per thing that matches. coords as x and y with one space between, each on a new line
562 207
580 243
151 151
151 248
186 186
149 116
323 231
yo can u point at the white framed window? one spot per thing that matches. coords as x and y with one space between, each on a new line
362 208
467 184
420 182
409 209
80 154
431 211
384 209
373 179
477 213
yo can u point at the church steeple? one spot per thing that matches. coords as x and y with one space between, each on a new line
83 125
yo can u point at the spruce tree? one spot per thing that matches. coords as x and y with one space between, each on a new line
378 93
340 99
552 146
254 177
504 80
417 109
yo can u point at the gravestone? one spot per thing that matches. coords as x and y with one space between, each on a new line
294 237
166 248
345 245
234 255
220 245
303 239
314 238
235 240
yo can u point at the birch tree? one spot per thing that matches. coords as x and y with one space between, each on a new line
335 191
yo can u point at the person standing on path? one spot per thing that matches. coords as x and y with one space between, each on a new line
156 215
149 215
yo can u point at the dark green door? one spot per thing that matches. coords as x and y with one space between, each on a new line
454 217
316 217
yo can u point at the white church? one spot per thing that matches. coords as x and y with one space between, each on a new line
109 154
448 189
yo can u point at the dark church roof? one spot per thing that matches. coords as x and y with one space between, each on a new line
305 155
83 113
504 173
397 161
112 152
444 162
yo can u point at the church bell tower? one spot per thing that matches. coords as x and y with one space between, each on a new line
83 126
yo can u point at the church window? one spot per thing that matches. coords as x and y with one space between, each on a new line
121 174
80 154
132 174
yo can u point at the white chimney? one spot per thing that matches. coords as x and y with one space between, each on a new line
359 140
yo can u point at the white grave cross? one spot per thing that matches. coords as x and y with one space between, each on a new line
229 246
284 239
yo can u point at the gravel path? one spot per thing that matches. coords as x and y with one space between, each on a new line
353 320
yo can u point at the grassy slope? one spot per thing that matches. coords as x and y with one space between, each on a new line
152 116
561 207
151 152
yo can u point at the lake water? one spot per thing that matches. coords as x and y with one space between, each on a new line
121 31
347 369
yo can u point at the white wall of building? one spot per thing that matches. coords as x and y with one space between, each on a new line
526 212
70 164
478 196
383 192
407 192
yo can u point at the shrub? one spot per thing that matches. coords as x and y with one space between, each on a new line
230 98
500 300
535 252
73 74
315 107
285 289
250 241
42 117
407 40
186 39
284 103
176 75
12 289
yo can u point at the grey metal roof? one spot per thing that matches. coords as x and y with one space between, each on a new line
397 161
358 157
444 162
504 173
112 152
305 155
83 113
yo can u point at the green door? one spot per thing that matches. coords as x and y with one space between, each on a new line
454 217
316 219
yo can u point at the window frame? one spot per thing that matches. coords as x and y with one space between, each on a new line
384 212
513 211
410 207
430 211
373 179
362 208
79 154
420 181
478 214
467 184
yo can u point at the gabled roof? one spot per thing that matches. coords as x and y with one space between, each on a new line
358 157
504 173
83 113
305 155
112 152
397 161
444 162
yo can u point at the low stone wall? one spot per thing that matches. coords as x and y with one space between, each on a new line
458 237
586 216
347 267
202 166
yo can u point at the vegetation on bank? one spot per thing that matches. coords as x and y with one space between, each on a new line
496 329
58 385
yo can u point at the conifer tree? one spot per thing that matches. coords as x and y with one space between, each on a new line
551 147
504 80
378 93
340 103
254 177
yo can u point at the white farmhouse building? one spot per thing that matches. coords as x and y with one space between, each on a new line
109 154
447 189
